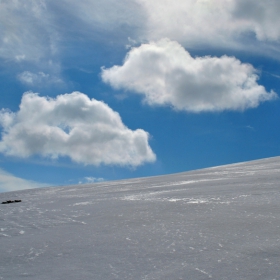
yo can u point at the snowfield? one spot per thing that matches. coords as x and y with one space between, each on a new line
215 223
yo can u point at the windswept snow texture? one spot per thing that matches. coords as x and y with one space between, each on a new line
219 223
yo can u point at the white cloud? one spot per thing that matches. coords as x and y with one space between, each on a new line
86 130
39 78
261 17
26 30
104 15
88 180
166 74
9 182
208 22
38 31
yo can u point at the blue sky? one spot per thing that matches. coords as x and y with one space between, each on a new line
106 90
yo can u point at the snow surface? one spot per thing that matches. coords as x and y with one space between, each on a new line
219 223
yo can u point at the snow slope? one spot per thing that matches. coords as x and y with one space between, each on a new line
219 223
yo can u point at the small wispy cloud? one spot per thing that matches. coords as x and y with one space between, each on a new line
276 76
39 78
87 180
249 127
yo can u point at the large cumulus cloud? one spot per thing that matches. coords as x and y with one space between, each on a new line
166 74
86 130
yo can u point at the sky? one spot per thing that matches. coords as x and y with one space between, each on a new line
97 90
